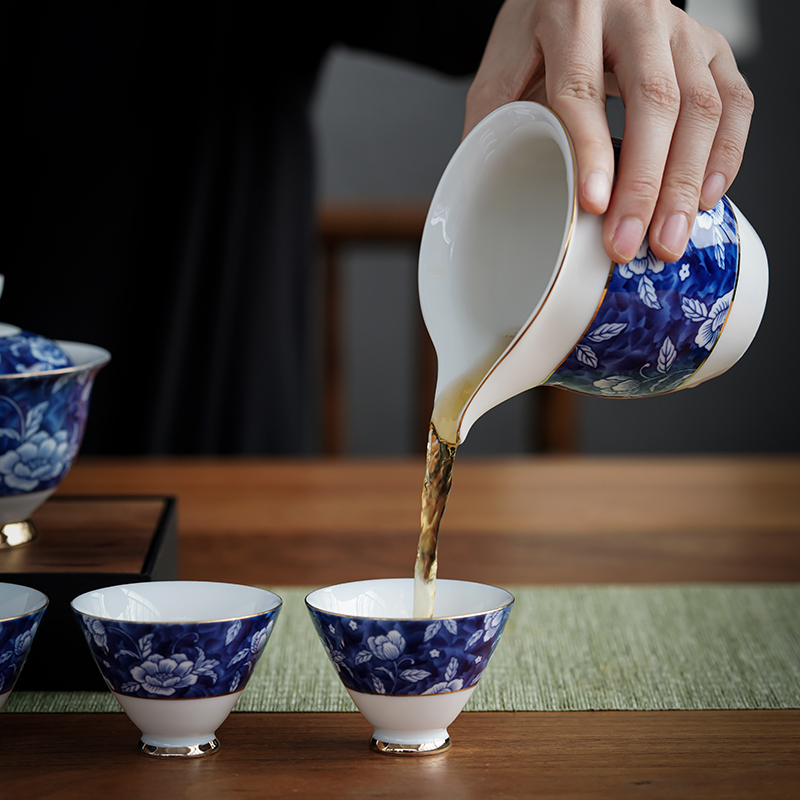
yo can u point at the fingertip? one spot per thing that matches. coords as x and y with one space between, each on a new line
713 189
596 192
626 239
674 236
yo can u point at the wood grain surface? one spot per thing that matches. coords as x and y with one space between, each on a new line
576 755
111 536
555 520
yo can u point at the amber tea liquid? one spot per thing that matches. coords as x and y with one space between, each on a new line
438 478
441 453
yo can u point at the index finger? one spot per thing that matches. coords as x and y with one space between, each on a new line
511 63
575 84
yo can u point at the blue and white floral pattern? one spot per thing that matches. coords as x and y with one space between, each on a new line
29 352
658 322
42 420
410 656
16 637
180 660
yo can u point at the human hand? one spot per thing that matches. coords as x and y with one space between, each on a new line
687 108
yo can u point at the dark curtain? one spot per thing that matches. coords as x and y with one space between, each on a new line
159 183
160 173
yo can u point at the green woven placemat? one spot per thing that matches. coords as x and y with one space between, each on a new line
566 649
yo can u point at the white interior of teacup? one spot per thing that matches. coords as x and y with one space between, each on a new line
176 601
19 601
393 598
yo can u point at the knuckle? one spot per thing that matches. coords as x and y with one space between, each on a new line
729 149
580 86
642 190
718 41
703 101
476 92
684 186
482 92
740 96
661 91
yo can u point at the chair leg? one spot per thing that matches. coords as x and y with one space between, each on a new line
557 420
333 434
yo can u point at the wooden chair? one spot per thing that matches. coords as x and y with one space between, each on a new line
344 224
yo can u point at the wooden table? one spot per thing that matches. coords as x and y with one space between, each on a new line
511 521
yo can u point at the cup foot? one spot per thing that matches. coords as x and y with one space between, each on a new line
422 749
15 534
189 751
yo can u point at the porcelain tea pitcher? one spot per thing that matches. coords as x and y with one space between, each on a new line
517 291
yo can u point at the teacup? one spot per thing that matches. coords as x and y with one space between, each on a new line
517 290
21 611
177 655
410 678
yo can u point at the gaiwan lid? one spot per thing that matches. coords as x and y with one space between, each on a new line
23 351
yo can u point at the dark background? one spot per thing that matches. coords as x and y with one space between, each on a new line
383 130
383 144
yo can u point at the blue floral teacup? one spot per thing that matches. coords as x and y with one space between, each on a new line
21 611
45 388
517 290
177 655
410 678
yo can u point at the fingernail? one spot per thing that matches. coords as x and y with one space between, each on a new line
675 233
597 189
713 189
627 238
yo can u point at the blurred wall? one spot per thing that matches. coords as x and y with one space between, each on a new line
387 130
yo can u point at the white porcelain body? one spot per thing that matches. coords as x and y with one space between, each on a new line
409 677
19 507
512 271
178 723
415 721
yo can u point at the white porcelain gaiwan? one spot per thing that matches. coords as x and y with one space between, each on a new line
43 416
177 655
45 388
517 291
409 677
